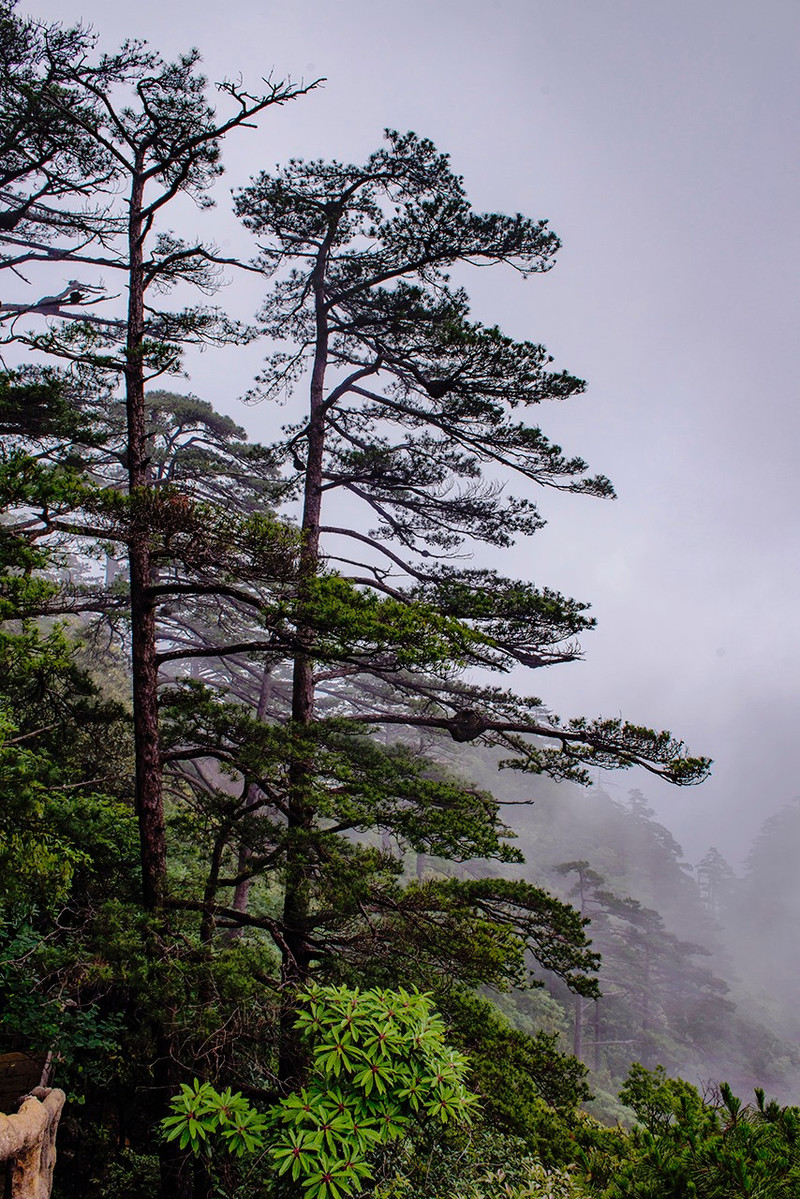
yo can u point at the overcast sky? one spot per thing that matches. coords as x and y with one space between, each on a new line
661 142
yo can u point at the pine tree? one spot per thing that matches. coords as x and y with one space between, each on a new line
410 404
716 881
149 127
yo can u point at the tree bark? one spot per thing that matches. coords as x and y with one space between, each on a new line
296 956
174 1165
241 894
149 799
577 1040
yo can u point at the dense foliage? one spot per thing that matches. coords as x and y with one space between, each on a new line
715 1148
378 1069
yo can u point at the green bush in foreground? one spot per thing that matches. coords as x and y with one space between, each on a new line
378 1066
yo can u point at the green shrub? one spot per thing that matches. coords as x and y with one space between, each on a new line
379 1066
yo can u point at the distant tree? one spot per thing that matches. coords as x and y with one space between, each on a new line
763 917
716 881
584 893
655 995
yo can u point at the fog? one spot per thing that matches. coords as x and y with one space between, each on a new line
660 141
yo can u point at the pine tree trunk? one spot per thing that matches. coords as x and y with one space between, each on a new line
577 1040
646 1001
149 801
176 1177
296 906
241 893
